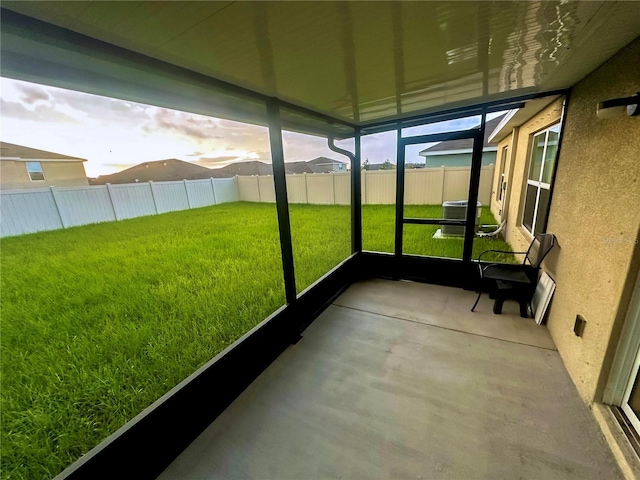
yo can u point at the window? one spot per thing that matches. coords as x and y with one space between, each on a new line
541 164
34 169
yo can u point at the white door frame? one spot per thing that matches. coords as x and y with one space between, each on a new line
627 360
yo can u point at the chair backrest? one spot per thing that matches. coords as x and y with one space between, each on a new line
540 246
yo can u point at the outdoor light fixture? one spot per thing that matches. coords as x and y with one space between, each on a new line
619 106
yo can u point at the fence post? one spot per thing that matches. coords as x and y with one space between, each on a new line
115 212
213 189
153 195
443 169
186 191
258 185
363 187
306 190
54 194
333 185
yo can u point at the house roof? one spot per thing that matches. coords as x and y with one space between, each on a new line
323 164
378 166
515 118
358 63
464 144
157 171
253 167
173 169
317 165
298 167
325 161
11 151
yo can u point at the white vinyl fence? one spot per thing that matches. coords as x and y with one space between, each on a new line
423 186
28 211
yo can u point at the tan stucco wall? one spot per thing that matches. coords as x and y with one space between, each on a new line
516 171
498 205
13 175
595 214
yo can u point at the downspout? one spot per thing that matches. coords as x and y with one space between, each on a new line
563 121
333 147
356 199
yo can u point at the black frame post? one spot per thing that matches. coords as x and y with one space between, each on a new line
282 204
399 193
356 195
474 184
475 135
563 121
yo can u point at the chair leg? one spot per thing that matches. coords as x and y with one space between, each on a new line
524 309
477 299
497 306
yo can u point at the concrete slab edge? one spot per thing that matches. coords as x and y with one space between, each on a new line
617 440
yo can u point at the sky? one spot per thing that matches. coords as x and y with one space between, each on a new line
114 134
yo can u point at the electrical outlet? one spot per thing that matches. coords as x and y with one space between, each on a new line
578 327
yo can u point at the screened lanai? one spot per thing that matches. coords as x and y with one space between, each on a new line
377 369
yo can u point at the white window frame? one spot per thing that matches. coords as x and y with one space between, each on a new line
538 184
26 166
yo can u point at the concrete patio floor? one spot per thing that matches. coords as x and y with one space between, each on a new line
401 380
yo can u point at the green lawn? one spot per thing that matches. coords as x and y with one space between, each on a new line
99 321
378 224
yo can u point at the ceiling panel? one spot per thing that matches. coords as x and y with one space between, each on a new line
365 61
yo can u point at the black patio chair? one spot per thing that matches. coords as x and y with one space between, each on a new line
515 282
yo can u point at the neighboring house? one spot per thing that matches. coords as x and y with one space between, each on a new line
457 153
254 167
326 165
173 169
373 167
317 165
298 167
24 167
157 171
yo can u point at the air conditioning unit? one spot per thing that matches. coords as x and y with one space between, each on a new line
457 211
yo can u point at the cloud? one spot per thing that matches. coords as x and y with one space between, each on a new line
182 123
31 93
103 110
40 113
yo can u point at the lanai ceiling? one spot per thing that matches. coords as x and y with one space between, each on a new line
357 61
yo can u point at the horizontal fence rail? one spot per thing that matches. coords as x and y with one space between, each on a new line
423 186
29 211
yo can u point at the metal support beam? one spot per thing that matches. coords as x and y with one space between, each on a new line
282 205
399 193
438 137
434 221
474 184
356 196
563 121
506 103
